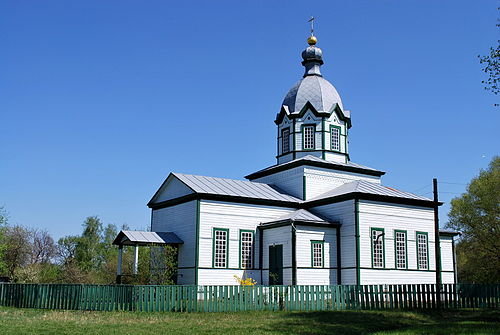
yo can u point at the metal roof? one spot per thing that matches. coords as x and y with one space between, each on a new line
315 89
233 187
300 215
131 237
315 161
366 187
449 233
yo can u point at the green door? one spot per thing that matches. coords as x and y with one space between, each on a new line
276 264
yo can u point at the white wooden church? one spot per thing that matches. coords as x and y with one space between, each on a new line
314 218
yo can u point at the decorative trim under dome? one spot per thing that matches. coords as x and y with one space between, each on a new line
343 115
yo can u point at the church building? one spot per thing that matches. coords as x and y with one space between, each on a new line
314 218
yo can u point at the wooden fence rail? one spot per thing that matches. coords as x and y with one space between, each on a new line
152 298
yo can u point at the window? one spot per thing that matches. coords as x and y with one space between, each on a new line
377 235
308 134
246 249
422 251
285 140
335 134
400 249
317 254
220 249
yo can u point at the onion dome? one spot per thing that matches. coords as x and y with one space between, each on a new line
313 88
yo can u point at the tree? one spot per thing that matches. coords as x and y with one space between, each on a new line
492 69
17 249
88 251
3 225
476 214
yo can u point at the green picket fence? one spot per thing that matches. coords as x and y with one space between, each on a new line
156 298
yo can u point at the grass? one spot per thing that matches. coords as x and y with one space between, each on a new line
30 321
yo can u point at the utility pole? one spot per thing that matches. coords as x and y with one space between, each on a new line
436 243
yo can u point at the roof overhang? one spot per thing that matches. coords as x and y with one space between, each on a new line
301 162
372 197
449 233
282 223
146 238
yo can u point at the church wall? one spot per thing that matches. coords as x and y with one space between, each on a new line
306 274
343 212
174 188
283 236
232 216
373 277
447 265
392 217
321 180
290 181
448 277
335 157
180 219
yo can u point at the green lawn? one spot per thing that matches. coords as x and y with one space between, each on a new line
29 321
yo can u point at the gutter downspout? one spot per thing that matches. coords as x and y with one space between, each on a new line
294 254
356 225
261 243
455 273
339 258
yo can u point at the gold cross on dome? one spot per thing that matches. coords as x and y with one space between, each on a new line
312 24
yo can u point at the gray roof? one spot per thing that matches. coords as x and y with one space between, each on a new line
316 161
233 187
301 215
315 89
366 187
131 237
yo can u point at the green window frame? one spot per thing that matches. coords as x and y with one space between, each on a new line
220 248
422 244
285 140
400 249
377 240
333 130
304 142
317 254
246 249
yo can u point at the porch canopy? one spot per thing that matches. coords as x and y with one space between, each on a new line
141 239
146 238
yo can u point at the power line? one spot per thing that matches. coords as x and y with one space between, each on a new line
447 182
421 188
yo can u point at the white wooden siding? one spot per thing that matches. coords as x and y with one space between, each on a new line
180 219
447 278
290 181
277 236
172 189
335 157
343 212
321 180
305 235
316 276
372 277
391 217
225 276
446 245
232 216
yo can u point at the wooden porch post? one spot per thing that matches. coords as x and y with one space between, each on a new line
119 265
136 258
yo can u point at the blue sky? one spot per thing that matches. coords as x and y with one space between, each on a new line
100 100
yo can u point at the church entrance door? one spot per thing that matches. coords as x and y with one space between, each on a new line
276 264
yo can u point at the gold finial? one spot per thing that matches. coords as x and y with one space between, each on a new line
312 40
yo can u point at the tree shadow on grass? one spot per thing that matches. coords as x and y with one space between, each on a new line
389 322
346 322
